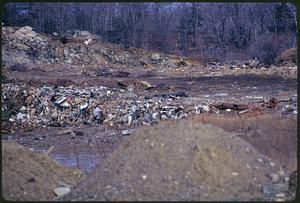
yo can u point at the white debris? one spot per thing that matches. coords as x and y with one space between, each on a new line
87 42
83 106
60 100
20 116
60 191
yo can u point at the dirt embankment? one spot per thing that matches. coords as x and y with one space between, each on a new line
184 160
32 176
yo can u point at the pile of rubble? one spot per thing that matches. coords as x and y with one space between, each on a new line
26 108
23 45
29 107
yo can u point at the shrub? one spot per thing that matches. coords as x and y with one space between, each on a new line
289 55
20 67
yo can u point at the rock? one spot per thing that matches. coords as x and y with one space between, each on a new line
60 191
155 57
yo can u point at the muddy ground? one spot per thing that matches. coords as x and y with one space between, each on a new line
272 133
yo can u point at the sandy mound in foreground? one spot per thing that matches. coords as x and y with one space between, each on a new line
32 176
179 161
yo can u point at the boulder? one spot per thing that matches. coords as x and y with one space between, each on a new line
155 57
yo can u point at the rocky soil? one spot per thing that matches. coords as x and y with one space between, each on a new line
114 114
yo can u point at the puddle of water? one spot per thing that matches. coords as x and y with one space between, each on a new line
84 162
84 157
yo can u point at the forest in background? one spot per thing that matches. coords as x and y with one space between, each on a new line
206 31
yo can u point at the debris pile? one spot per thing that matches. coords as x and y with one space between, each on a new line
28 107
23 45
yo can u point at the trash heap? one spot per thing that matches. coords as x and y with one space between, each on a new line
25 107
23 45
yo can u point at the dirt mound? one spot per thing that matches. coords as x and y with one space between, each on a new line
289 55
273 136
182 160
31 176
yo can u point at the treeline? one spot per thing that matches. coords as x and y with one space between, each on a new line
219 31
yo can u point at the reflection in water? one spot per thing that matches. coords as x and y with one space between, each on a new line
83 157
82 161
